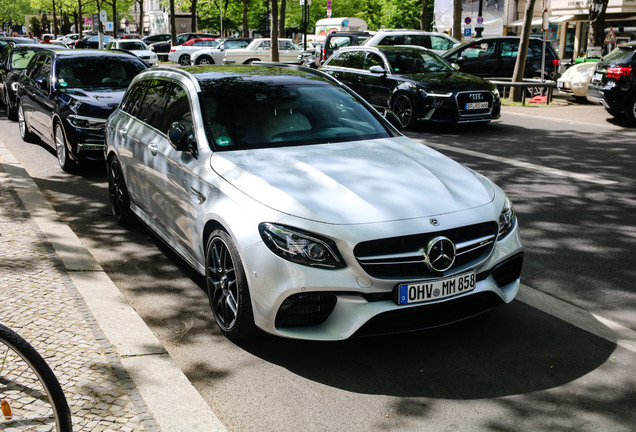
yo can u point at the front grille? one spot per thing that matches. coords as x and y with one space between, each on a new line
403 257
472 97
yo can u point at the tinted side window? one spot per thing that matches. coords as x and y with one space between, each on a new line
392 40
351 59
509 48
134 100
35 65
440 43
373 59
177 108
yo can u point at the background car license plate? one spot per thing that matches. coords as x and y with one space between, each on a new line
476 105
420 292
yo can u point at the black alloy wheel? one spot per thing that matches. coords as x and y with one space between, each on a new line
61 148
404 107
25 132
118 194
227 287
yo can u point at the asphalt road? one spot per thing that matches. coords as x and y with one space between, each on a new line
547 363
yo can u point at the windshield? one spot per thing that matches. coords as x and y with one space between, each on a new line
620 55
247 114
96 72
416 61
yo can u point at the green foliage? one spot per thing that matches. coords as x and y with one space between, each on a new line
13 11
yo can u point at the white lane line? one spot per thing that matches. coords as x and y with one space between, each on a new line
599 326
521 164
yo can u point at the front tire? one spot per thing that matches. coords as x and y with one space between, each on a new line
404 107
228 292
25 132
118 194
205 61
61 148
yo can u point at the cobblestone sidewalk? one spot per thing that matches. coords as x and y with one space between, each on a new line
40 302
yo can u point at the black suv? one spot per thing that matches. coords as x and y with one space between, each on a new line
65 96
495 57
614 82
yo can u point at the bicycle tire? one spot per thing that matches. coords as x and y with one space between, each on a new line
31 394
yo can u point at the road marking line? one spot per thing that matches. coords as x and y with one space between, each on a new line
574 315
521 164
561 120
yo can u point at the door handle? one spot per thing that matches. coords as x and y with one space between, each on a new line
153 149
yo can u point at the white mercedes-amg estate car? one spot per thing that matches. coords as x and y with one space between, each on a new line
309 214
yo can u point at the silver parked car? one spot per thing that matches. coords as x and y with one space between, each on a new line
308 213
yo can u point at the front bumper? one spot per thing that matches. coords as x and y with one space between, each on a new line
308 303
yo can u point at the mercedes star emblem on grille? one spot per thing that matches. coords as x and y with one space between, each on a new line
440 254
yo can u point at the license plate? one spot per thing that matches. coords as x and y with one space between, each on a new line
420 292
560 84
597 77
476 105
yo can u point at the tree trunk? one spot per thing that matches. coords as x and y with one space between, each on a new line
55 29
140 23
522 54
281 22
173 24
274 31
424 15
596 36
193 13
115 20
457 19
245 30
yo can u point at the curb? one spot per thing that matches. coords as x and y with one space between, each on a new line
174 402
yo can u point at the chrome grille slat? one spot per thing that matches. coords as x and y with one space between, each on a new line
404 258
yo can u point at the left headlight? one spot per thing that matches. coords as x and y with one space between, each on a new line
507 219
301 247
81 122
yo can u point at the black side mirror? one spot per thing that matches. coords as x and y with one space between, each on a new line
181 138
42 83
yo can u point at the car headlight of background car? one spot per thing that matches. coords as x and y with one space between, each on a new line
82 122
301 247
507 219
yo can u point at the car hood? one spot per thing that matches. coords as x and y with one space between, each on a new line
98 103
449 81
356 182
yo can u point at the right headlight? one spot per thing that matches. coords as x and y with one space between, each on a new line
507 219
301 247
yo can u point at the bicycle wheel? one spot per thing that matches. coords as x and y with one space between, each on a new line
31 397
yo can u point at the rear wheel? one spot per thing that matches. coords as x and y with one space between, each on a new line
404 107
184 60
61 147
25 132
630 109
227 287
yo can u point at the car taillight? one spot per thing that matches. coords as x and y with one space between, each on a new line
619 72
556 62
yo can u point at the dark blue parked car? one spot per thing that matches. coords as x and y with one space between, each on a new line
65 97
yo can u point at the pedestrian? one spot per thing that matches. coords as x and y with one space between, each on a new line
32 36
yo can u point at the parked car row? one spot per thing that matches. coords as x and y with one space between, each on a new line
307 212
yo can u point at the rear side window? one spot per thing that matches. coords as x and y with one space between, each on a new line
349 59
510 48
158 103
440 43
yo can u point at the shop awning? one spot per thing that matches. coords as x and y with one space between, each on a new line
538 20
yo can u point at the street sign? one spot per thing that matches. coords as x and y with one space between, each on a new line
102 16
467 32
480 19
611 36
467 20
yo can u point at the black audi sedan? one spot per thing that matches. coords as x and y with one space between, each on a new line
415 83
614 82
64 97
13 63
